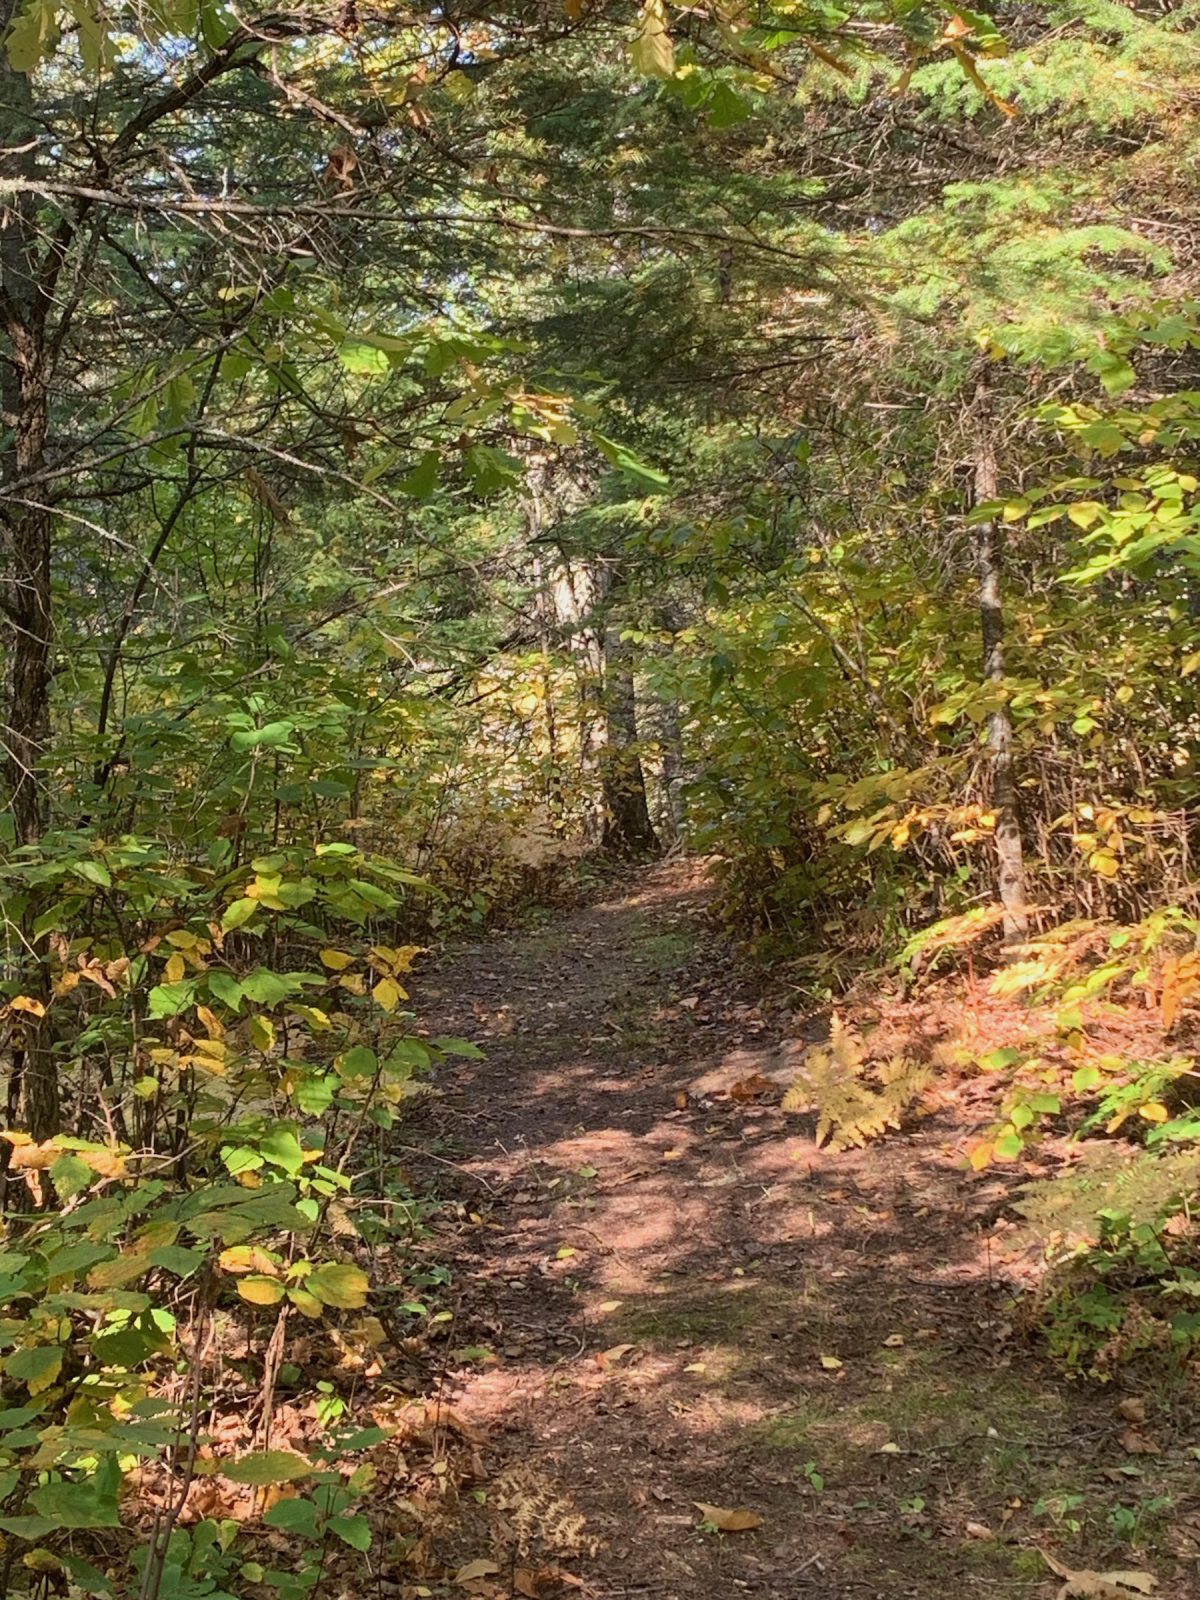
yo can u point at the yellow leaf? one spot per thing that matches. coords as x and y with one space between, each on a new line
212 1026
104 1163
337 960
728 1521
25 1002
35 1157
1105 863
980 1155
261 1291
262 1033
175 969
388 994
831 1363
1154 1111
247 1258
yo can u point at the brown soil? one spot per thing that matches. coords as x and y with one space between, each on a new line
682 1300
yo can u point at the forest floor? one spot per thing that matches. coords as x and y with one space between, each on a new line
684 1302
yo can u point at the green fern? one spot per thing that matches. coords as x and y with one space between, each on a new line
1139 1188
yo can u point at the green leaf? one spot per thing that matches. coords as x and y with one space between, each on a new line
282 1148
176 1259
126 1347
365 1439
1114 371
1045 1104
423 479
358 1062
29 1527
354 1531
314 1092
294 1516
237 915
170 999
363 359
997 1060
85 1577
71 1176
95 44
33 36
726 107
35 1366
73 1259
621 457
73 1505
265 1467
273 736
268 988
93 872
490 469
339 1284
457 1047
225 986
1008 1146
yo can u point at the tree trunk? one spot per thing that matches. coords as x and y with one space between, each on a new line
574 596
628 830
26 293
1010 859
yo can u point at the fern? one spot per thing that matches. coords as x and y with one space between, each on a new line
850 1110
1142 1188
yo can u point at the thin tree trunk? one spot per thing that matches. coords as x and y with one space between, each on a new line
575 596
26 294
628 830
1010 858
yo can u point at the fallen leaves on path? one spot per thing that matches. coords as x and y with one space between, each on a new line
1085 1584
755 1087
740 1521
474 1570
611 1356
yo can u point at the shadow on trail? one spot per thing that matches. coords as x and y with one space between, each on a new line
684 1301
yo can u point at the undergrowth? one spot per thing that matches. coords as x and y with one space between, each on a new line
236 1049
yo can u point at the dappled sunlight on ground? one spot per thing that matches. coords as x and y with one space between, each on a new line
681 1299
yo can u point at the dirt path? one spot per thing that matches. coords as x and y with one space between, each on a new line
685 1302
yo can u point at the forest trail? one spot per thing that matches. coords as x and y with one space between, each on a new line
687 1302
